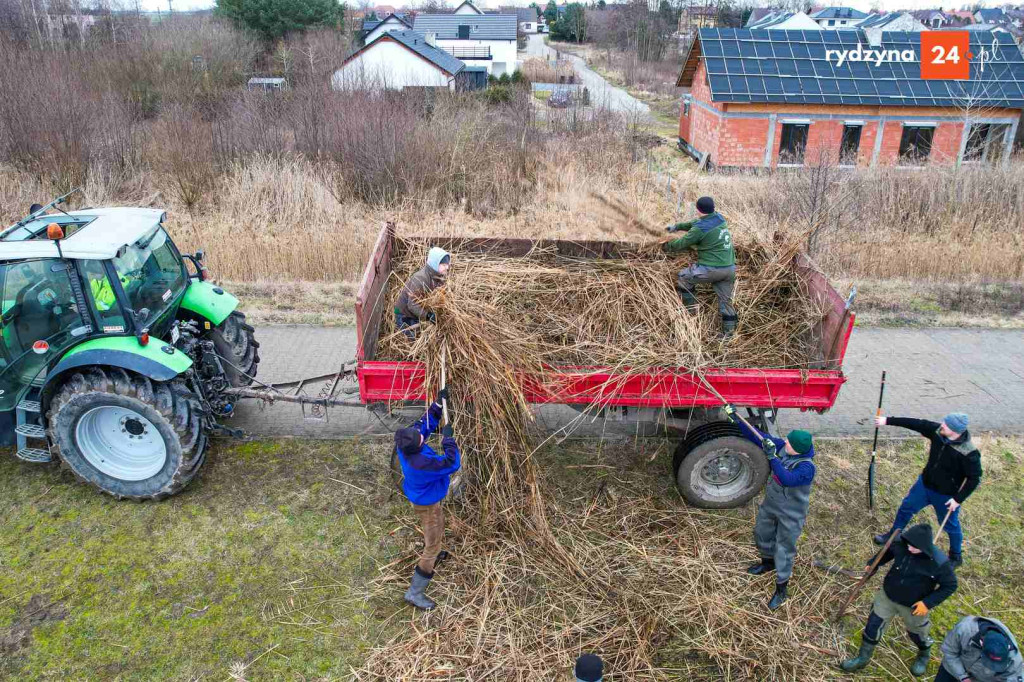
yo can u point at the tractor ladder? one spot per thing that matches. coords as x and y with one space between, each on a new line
29 426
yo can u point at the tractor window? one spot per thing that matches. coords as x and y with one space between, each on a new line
101 296
151 273
40 319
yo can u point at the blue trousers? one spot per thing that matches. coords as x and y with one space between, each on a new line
920 497
402 324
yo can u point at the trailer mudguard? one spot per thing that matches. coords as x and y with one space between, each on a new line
208 301
152 360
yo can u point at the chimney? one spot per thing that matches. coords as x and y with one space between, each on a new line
431 39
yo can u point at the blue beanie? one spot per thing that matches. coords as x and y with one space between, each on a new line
589 668
956 421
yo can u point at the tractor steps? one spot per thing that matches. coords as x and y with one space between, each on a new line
34 455
30 430
30 406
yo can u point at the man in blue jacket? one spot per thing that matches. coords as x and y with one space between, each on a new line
781 516
427 476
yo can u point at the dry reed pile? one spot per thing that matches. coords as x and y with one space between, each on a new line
533 583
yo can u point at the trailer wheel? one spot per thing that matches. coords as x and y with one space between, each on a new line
720 472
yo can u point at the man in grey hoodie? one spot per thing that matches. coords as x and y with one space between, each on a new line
980 650
408 312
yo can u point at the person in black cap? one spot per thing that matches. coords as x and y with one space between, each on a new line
980 650
920 579
716 261
427 476
589 668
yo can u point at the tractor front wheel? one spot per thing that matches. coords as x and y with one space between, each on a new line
235 341
127 435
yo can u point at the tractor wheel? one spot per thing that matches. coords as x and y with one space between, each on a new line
236 341
128 436
720 472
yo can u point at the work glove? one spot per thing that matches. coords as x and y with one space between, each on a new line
448 431
671 228
768 445
730 413
442 395
920 609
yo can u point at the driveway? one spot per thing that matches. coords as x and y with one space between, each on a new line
601 91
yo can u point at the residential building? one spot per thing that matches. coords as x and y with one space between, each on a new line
932 18
991 16
392 22
876 24
467 7
694 17
982 28
527 17
487 40
838 17
785 21
757 14
397 60
783 99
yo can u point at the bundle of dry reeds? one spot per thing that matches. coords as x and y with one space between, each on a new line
532 584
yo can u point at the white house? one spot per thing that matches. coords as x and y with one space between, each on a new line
785 21
877 24
392 22
932 18
529 21
487 40
838 17
467 7
398 60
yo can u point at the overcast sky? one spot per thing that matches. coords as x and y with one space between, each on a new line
864 5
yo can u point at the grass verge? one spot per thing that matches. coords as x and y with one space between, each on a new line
264 568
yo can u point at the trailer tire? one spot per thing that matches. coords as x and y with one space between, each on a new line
158 449
718 469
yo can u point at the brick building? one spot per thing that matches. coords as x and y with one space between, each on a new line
770 98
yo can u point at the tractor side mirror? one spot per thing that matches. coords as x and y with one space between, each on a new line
200 255
142 332
142 316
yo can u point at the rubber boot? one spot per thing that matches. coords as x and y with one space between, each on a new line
863 657
881 538
415 594
729 323
688 299
779 596
920 665
956 560
763 567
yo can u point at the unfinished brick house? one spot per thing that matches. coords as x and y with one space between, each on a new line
779 98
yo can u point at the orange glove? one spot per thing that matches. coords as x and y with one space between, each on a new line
920 609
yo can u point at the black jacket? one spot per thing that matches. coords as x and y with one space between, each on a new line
926 577
950 463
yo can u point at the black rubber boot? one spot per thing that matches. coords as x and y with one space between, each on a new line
779 596
881 538
920 665
763 567
863 657
729 323
415 594
956 560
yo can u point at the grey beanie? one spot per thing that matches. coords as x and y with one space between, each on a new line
956 421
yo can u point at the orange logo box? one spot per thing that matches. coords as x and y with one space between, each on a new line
945 55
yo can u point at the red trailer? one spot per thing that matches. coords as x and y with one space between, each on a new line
714 465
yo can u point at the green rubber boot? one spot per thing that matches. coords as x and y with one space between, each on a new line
863 657
920 665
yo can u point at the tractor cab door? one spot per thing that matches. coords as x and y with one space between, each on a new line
40 320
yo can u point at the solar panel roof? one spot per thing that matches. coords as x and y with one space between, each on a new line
799 67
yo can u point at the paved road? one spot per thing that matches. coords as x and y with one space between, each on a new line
601 91
930 372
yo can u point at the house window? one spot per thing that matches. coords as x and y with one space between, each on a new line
463 32
831 22
985 142
793 143
916 144
850 145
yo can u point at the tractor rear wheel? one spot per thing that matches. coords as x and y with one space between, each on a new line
236 341
715 469
127 435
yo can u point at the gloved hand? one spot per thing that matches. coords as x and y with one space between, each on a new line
730 413
671 228
442 395
920 609
768 445
448 431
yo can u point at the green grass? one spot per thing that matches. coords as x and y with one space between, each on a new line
266 561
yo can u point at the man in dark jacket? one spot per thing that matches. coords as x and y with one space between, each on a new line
952 473
980 650
781 516
716 260
920 579
427 476
408 312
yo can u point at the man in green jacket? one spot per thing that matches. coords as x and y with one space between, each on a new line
716 261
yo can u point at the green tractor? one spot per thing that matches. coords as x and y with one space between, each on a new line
114 354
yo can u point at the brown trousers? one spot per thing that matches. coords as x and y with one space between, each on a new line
431 518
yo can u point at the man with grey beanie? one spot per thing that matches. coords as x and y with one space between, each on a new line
952 473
